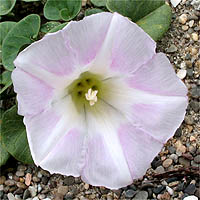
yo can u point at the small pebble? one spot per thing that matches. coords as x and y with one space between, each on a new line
11 196
141 195
69 180
63 190
20 173
172 49
185 27
190 189
183 19
2 180
158 189
197 159
21 185
9 182
181 73
191 198
32 190
159 170
28 179
195 37
170 190
26 194
130 193
191 23
167 162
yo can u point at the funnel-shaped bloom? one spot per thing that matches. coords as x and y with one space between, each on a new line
97 101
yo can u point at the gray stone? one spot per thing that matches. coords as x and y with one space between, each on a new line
9 182
130 193
195 92
195 105
141 195
10 196
160 170
189 120
172 49
197 159
190 189
69 180
184 162
26 194
32 190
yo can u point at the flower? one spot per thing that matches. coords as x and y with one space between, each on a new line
97 101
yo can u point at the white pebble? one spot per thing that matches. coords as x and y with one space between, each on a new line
35 198
183 19
32 190
39 188
169 190
191 198
17 197
195 37
181 73
1 187
39 175
10 196
191 23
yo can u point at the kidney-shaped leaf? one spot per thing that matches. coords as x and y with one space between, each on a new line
92 11
99 3
21 34
62 10
157 22
134 9
4 155
5 80
45 28
57 28
5 27
6 6
14 136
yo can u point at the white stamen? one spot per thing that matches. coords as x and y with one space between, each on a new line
91 96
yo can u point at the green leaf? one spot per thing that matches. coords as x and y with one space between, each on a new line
99 3
21 34
4 155
6 6
45 28
157 22
5 80
5 27
93 11
62 10
14 136
134 9
59 27
30 0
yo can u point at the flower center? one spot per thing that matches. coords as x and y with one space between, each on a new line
85 90
91 96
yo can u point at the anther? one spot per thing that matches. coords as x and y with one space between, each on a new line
91 96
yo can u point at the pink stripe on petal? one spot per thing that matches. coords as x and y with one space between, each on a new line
33 95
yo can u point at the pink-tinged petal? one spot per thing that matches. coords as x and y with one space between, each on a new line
158 115
85 37
33 95
50 54
158 77
68 156
161 117
46 129
139 149
126 46
105 161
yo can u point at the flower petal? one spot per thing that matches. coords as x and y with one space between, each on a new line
158 115
139 149
105 162
68 156
85 37
33 95
46 129
126 46
158 77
